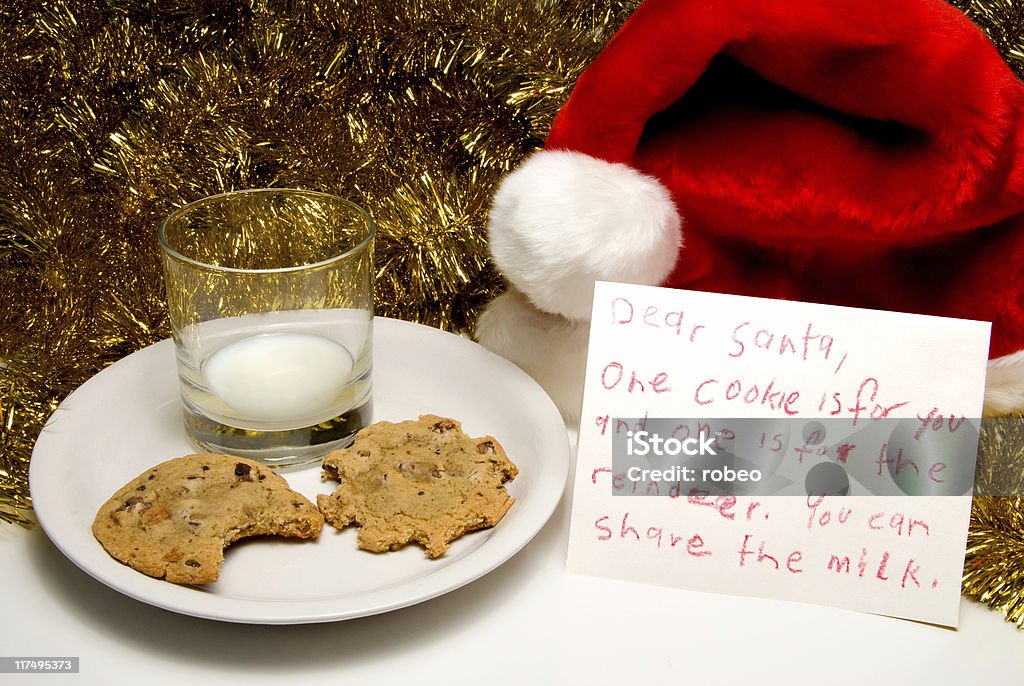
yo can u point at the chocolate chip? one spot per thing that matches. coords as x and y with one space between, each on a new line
193 563
420 493
206 468
262 477
442 426
242 471
486 448
141 488
134 504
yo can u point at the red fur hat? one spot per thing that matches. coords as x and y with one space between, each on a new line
866 153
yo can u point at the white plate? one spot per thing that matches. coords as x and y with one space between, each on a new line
127 418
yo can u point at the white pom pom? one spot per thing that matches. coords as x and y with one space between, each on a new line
1004 385
550 348
564 220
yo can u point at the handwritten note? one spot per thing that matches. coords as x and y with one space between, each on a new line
668 353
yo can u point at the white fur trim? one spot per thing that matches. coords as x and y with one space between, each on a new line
1004 385
564 220
550 348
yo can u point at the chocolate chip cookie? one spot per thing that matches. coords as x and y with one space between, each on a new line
173 521
421 481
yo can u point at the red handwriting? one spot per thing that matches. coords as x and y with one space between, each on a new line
902 524
621 425
900 464
764 339
755 552
619 482
774 444
613 374
836 405
866 400
766 395
823 516
937 422
841 564
819 516
694 547
723 504
672 321
843 451
722 436
765 558
868 393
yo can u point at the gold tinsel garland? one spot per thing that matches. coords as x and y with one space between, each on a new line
994 566
113 112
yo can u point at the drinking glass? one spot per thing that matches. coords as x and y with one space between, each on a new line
270 294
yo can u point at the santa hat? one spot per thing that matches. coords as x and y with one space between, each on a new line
865 153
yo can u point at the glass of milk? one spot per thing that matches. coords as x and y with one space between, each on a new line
270 294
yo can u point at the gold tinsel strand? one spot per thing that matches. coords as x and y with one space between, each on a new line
116 111
994 565
1003 22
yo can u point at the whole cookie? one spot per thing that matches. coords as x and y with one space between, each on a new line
174 520
424 481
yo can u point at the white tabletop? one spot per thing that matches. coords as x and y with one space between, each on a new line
526 622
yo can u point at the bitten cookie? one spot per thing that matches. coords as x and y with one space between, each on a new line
173 521
424 481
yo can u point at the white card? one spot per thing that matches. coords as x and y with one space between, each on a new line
658 352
